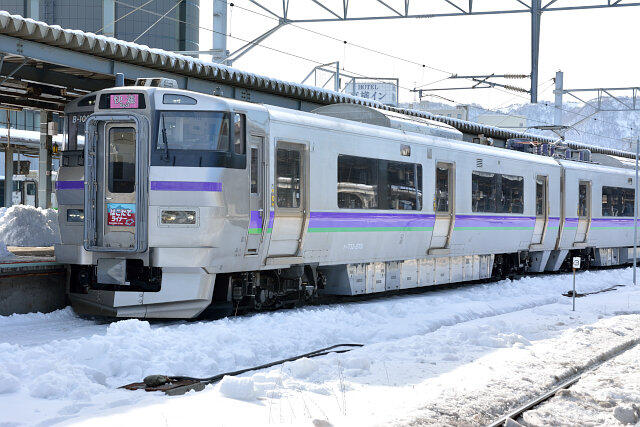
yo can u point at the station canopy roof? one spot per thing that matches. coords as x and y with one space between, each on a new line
44 66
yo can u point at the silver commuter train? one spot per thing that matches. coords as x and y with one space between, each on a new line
181 202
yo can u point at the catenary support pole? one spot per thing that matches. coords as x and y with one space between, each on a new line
557 113
219 51
536 14
635 218
32 9
109 18
44 162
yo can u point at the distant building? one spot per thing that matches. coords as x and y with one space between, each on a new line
458 112
178 30
503 121
468 112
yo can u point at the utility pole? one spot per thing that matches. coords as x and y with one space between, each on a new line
44 161
536 14
8 166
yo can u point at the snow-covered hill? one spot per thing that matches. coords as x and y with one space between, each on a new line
613 129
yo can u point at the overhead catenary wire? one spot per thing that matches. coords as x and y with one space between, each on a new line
410 61
451 73
158 20
125 15
316 62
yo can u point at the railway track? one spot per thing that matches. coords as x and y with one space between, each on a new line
564 384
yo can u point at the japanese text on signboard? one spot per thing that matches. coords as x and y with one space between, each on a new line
121 214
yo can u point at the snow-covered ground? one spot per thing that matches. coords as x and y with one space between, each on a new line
454 356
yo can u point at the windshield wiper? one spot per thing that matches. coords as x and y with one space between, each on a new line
165 141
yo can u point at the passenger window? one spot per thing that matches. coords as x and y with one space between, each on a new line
288 178
378 184
483 197
357 183
496 193
122 160
254 170
404 182
238 133
442 189
617 201
541 196
512 194
583 209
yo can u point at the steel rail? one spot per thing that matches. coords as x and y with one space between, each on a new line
513 415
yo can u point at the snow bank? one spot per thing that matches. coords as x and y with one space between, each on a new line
22 225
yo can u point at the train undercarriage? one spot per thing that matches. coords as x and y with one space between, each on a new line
298 285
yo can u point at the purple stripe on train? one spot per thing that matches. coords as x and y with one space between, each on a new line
366 219
70 185
186 186
611 222
494 221
255 219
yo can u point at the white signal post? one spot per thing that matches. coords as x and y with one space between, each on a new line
576 265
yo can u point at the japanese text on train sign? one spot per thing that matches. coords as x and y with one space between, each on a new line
121 214
129 100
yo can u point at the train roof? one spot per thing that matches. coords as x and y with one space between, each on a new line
358 119
326 122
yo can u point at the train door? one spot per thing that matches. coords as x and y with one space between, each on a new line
542 211
584 211
290 200
443 206
257 215
116 167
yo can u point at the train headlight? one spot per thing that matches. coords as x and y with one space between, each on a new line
75 215
178 217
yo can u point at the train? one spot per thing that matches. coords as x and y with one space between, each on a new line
173 204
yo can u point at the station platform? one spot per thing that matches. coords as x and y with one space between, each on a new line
31 281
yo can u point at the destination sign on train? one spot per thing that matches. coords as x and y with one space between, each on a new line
124 101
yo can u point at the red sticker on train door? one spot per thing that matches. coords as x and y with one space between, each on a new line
121 214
